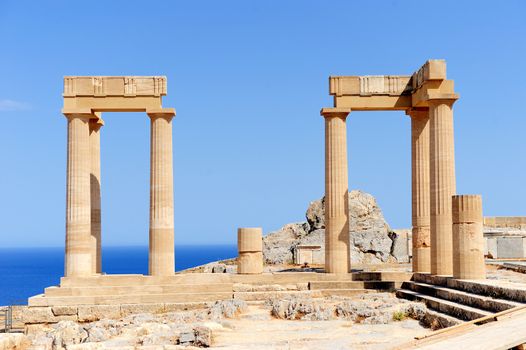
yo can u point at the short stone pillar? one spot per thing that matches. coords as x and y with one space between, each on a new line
468 239
250 246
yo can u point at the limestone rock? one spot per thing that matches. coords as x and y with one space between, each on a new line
102 330
13 341
371 242
68 332
300 309
227 308
203 336
278 245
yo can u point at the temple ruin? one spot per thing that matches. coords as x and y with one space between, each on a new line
85 99
448 268
427 96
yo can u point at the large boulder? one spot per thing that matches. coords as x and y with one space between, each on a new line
369 233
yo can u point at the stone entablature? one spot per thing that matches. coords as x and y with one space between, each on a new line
76 86
393 92
370 85
113 93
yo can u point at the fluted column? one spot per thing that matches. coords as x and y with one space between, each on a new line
420 189
443 185
337 259
161 258
468 238
78 260
95 239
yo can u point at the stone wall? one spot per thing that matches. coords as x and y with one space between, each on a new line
517 222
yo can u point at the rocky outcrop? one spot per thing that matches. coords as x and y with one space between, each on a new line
157 330
371 238
374 308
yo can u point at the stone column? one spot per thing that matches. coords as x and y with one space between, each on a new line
420 190
161 253
250 247
337 257
443 185
468 238
78 258
94 144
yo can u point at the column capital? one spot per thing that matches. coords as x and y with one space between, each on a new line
167 113
83 113
335 112
441 98
96 122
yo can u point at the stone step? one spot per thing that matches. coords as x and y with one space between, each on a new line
143 280
41 300
255 296
438 320
145 289
491 288
451 308
461 297
397 276
345 292
378 285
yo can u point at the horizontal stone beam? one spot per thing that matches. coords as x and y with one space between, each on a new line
102 86
368 85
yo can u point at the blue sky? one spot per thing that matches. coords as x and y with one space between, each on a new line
248 79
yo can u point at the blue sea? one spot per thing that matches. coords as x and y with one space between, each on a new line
25 272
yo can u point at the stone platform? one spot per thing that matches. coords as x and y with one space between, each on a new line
205 287
113 296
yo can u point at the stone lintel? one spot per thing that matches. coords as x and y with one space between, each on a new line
102 86
373 102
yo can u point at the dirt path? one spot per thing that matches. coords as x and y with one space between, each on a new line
256 330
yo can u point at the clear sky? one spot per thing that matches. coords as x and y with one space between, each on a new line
248 79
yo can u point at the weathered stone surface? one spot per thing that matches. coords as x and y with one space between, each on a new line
278 245
102 330
203 336
64 310
13 341
157 334
369 233
38 315
227 308
128 309
68 332
98 312
401 248
300 309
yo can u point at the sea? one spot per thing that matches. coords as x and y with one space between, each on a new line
25 272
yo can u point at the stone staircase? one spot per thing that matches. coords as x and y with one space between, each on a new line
195 288
465 300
